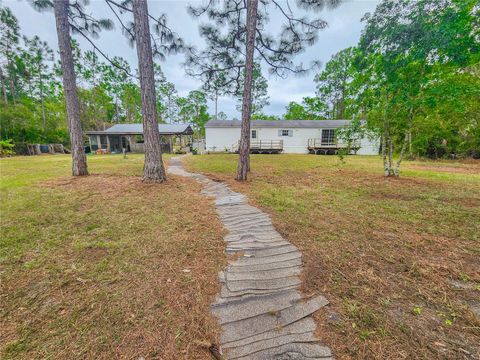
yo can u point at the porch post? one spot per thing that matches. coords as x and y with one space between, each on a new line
99 143
108 143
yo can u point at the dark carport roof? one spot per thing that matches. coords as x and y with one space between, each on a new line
137 129
280 123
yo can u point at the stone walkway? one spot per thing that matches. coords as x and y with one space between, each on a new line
261 312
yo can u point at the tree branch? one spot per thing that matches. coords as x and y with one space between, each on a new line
102 53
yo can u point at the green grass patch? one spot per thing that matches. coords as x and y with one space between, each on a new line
86 261
377 248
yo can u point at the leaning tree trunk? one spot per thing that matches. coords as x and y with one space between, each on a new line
244 148
384 154
402 154
390 155
79 160
153 169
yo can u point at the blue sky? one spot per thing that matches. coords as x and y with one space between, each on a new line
344 28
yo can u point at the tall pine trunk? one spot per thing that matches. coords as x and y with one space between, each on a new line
79 160
244 148
12 89
216 104
153 169
4 89
42 103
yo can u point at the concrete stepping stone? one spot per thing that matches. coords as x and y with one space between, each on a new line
240 211
252 326
230 274
251 246
266 344
227 294
251 276
269 238
248 261
268 284
247 223
260 310
265 267
254 245
263 275
265 230
231 238
301 326
271 251
251 239
230 200
248 307
227 214
293 351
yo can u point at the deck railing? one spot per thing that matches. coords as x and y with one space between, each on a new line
318 143
261 145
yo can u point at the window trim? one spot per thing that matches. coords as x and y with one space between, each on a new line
285 132
331 139
104 142
254 132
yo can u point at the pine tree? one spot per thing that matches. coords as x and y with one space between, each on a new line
72 17
245 23
153 169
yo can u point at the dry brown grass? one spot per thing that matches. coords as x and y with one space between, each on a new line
399 259
106 267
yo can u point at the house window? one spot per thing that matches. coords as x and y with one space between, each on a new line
254 134
328 137
103 142
93 142
285 132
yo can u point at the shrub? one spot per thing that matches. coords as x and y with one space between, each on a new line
6 147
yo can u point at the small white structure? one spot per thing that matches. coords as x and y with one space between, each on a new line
288 136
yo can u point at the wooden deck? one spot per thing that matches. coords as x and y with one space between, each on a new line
262 146
317 146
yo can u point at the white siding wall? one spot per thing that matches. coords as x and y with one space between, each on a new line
296 144
219 139
369 147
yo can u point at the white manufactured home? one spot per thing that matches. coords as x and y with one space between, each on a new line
288 136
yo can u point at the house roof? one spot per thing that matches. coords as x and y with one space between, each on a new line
137 129
308 124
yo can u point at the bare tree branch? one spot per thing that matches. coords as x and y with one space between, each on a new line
105 56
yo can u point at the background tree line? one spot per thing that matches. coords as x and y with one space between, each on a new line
414 77
32 98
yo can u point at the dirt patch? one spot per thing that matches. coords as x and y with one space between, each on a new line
466 169
383 252
388 196
465 201
127 269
